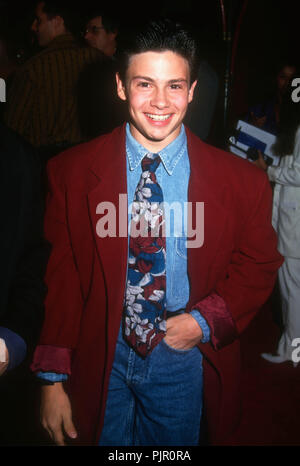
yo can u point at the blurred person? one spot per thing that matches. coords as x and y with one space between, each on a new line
200 113
265 115
100 109
24 252
8 60
133 322
286 221
42 102
24 256
101 31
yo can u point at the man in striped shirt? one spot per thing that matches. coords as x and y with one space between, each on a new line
42 103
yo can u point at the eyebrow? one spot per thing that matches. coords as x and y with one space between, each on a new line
171 81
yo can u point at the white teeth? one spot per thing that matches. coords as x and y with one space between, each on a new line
158 117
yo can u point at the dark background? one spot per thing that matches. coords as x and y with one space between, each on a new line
268 33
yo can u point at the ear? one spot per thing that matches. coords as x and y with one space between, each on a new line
59 24
191 91
113 34
120 88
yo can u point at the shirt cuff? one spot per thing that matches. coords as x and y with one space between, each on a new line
203 324
16 347
272 173
52 376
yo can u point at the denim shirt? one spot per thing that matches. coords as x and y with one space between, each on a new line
173 177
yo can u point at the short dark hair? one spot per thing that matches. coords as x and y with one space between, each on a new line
110 22
60 8
157 35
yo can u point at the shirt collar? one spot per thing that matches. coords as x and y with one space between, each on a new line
170 155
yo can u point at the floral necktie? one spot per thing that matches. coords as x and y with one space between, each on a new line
145 309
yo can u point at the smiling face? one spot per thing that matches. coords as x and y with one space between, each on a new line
158 92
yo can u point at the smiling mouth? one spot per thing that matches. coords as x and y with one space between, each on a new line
158 117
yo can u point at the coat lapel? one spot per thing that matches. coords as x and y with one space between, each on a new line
104 202
204 186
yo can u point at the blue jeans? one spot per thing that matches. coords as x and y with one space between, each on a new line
153 401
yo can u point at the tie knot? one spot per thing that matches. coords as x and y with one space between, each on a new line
150 162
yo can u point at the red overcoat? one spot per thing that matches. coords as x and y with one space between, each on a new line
231 275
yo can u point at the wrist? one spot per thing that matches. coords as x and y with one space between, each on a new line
55 387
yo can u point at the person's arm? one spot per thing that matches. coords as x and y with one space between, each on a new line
63 307
250 275
288 175
56 413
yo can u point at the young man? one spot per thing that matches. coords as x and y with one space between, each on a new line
128 327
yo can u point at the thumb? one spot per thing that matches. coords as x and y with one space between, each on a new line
261 155
69 428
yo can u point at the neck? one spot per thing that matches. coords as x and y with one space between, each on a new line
152 145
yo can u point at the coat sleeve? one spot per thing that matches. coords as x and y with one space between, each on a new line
250 275
64 302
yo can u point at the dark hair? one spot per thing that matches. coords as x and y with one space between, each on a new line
157 35
288 124
110 22
60 8
286 61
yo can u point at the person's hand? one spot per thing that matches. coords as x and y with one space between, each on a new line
260 163
56 413
4 365
257 121
183 332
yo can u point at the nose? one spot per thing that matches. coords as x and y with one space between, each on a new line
159 98
34 26
87 35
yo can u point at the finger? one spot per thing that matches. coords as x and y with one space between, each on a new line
58 437
70 428
55 434
3 367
